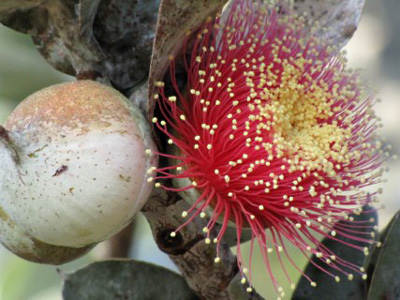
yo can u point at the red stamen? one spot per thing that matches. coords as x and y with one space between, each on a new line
275 134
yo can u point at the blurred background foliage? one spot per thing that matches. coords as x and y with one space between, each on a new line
375 47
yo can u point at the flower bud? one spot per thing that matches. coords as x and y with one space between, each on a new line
21 244
74 162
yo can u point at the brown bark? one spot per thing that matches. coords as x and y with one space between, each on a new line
188 250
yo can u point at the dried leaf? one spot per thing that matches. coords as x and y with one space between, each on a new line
125 32
8 6
339 19
125 279
176 18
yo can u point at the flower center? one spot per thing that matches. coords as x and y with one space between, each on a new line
296 123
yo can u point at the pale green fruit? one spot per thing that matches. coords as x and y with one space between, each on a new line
74 164
20 243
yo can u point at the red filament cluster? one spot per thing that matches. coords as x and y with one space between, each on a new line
273 133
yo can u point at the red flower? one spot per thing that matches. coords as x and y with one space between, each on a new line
274 133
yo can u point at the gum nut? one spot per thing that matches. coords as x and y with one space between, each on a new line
79 174
22 245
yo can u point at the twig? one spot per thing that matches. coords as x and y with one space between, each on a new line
188 250
120 244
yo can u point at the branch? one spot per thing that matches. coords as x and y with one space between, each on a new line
188 250
119 245
109 40
175 19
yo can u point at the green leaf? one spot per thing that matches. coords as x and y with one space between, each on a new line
385 264
125 279
327 288
230 236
